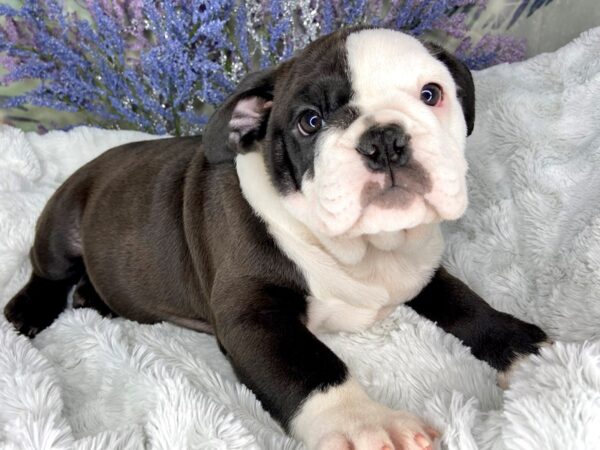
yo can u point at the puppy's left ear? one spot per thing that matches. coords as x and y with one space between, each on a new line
463 79
242 118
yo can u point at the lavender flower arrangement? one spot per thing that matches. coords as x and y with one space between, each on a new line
160 65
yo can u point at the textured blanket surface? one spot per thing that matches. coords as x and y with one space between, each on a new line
529 244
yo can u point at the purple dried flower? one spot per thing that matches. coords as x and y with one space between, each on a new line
454 25
108 69
491 50
11 31
328 17
354 11
160 65
241 33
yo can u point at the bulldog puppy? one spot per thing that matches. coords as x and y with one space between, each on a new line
311 204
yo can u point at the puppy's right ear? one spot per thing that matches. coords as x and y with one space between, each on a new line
242 118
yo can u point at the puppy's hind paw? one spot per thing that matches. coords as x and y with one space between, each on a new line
16 312
36 305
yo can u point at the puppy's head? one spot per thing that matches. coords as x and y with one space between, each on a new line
363 132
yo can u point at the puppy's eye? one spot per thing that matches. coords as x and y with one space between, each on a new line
431 94
310 122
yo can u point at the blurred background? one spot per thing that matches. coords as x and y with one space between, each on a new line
160 66
546 28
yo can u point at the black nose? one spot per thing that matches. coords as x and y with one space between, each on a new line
384 146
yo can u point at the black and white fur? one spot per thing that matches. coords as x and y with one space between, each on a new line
266 236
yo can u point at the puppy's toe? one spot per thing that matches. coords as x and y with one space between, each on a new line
379 429
410 433
19 311
37 305
344 417
395 436
367 439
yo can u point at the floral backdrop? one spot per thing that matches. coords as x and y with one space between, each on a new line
161 65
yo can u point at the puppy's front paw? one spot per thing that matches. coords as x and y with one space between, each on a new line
345 418
502 341
504 376
403 432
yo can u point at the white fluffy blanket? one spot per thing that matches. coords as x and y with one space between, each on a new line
529 243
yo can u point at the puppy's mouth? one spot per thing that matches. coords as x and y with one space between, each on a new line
399 188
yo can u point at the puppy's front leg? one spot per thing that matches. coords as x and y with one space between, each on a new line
494 337
298 379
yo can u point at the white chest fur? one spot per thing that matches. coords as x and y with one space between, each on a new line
352 282
352 296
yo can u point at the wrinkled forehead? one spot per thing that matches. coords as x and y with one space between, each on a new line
317 74
362 66
381 62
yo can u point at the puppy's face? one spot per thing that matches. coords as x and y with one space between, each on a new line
362 133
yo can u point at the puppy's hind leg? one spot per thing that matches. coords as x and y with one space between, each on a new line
85 296
57 266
